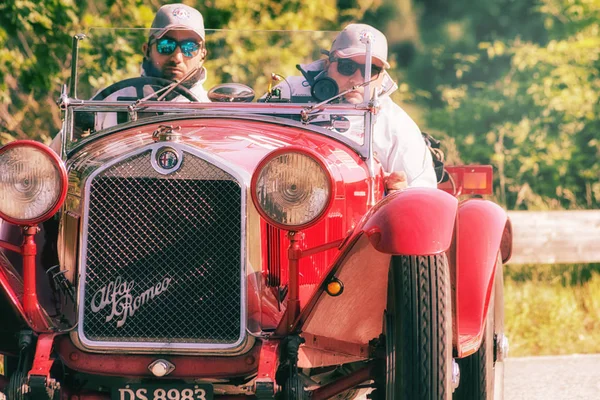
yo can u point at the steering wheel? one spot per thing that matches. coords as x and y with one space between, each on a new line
140 82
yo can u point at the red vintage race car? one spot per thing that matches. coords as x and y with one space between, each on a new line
239 249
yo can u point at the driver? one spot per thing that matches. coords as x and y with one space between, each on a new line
176 48
175 51
397 140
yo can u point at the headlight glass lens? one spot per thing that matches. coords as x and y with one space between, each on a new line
30 183
293 189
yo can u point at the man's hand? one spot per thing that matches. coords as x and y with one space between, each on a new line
396 181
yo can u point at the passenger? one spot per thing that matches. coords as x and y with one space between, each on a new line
397 140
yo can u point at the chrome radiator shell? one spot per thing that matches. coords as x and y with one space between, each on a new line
171 278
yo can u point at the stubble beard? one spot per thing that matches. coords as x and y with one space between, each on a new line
151 70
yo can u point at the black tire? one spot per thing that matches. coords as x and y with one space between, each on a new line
13 390
418 329
479 372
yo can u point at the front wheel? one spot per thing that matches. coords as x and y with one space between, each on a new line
418 329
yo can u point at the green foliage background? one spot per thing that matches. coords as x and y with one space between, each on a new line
514 83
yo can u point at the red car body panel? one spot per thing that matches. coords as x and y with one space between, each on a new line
137 364
415 221
245 147
480 228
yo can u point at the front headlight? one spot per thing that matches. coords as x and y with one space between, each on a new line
292 188
33 182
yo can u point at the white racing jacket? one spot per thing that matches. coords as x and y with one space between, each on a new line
397 140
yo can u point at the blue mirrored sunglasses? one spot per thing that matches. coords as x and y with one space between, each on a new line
167 46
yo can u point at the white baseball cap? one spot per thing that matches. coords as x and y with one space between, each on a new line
348 44
177 16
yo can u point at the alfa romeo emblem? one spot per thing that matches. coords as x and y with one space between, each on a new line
167 159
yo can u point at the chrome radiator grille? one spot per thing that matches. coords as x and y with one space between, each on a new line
163 255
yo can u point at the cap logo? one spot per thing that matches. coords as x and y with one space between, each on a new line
366 34
181 13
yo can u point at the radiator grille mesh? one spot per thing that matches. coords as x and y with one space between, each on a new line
163 254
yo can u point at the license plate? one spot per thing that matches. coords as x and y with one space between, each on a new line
168 391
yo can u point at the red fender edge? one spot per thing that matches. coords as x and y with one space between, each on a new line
414 221
481 227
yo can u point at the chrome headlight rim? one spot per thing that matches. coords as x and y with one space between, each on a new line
291 150
57 162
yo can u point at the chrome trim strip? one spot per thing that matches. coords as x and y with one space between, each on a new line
275 108
243 179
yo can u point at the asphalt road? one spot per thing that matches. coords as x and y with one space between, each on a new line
570 377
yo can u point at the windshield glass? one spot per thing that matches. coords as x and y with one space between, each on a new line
278 73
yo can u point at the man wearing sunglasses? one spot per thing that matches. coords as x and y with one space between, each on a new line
175 51
176 48
397 140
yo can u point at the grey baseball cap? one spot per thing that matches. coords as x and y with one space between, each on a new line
177 16
347 43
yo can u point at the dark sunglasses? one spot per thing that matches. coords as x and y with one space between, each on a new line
167 46
348 67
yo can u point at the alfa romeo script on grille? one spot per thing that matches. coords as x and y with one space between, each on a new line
117 294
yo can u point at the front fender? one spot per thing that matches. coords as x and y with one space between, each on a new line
415 221
480 228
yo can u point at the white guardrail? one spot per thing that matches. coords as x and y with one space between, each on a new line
555 237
